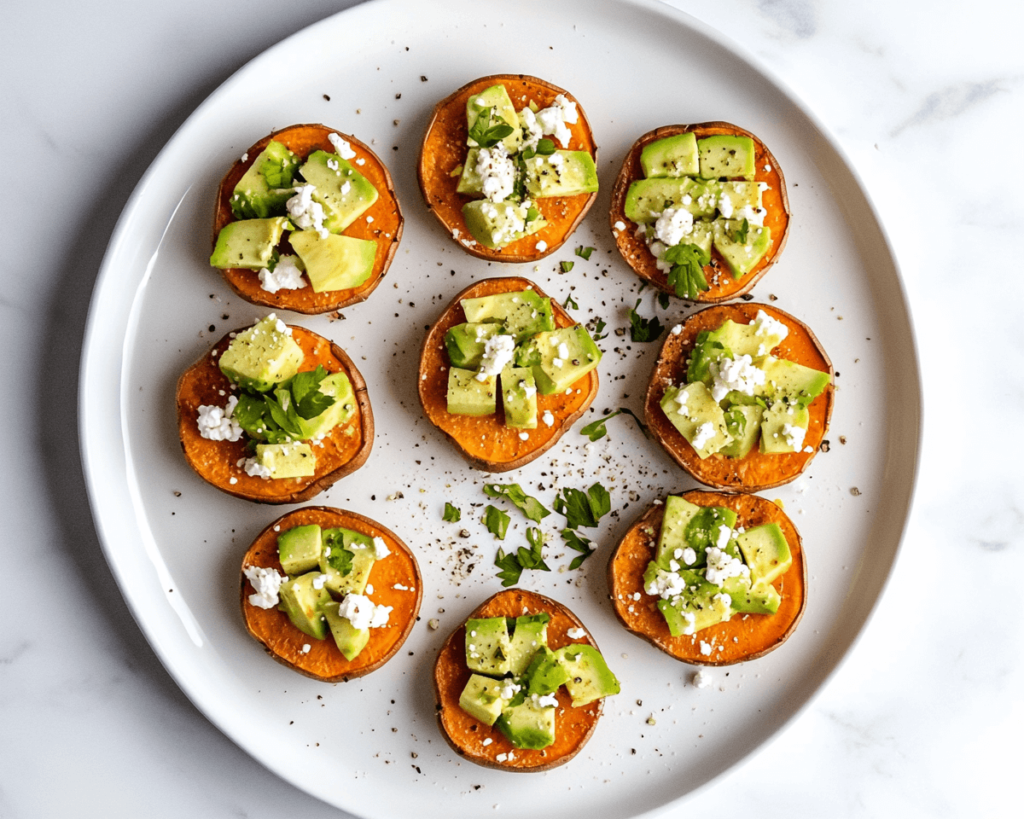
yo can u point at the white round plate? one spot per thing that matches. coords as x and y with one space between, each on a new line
372 746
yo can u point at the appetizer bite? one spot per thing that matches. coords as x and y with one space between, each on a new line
710 578
307 220
700 211
330 593
520 686
505 371
741 396
274 413
508 167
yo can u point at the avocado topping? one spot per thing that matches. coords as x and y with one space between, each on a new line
737 394
706 569
516 676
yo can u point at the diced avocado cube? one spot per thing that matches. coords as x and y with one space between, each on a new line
262 356
589 676
710 526
523 312
787 379
481 699
346 560
496 224
726 155
741 256
701 235
468 395
299 549
519 397
559 358
349 639
677 516
754 339
470 182
496 99
743 423
765 551
465 343
291 460
673 156
563 173
488 646
303 599
545 672
528 725
528 637
248 244
338 387
759 598
783 427
334 262
343 192
734 197
646 199
697 416
266 185
701 605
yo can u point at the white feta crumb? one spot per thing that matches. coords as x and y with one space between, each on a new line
722 566
216 424
765 325
341 147
306 647
497 171
737 374
794 435
305 213
524 436
705 432
705 649
673 226
266 583
619 225
319 581
542 246
254 469
361 612
702 679
576 633
498 351
285 276
488 741
548 418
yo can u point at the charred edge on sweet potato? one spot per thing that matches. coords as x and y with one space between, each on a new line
444 148
742 638
344 449
775 200
466 735
284 642
385 230
484 441
756 471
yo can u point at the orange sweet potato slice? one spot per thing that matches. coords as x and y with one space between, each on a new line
385 229
323 661
723 286
345 448
483 744
756 471
444 149
742 638
485 441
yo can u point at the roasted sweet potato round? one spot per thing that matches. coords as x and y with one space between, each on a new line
742 638
385 228
722 286
484 440
483 744
345 448
322 660
444 149
756 471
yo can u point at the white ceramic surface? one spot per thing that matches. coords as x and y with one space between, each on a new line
175 544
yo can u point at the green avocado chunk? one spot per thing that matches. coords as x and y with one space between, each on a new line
545 673
741 256
589 676
469 396
338 387
481 699
699 605
496 224
497 100
787 379
559 358
248 244
766 552
343 192
262 356
563 173
303 602
672 538
783 427
349 639
528 724
465 343
488 646
266 185
290 460
334 262
759 598
523 312
529 636
746 339
673 156
346 560
299 549
726 155
646 199
519 398
743 423
699 419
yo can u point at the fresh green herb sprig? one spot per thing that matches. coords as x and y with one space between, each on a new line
596 430
496 521
452 514
527 504
643 329
577 543
584 252
599 332
741 232
583 508
570 302
512 564
277 417
686 275
566 266
338 557
486 135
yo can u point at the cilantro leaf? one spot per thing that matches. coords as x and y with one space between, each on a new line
741 232
510 568
527 504
583 508
600 501
545 147
567 266
642 329
486 135
596 431
531 558
496 522
338 557
452 514
663 301
584 252
599 333
578 544
309 400
704 352
686 276
570 302
532 214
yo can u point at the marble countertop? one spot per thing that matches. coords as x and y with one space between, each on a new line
924 717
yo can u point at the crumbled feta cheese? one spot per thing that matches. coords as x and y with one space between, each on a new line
487 741
665 585
563 350
794 435
341 146
266 583
619 225
306 647
705 648
765 325
576 633
380 548
705 432
722 566
305 213
501 757
545 700
677 329
548 418
542 246
689 556
702 679
553 120
498 351
508 689
216 423
254 469
285 276
524 436
360 611
559 363
724 534
673 226
497 171
737 373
